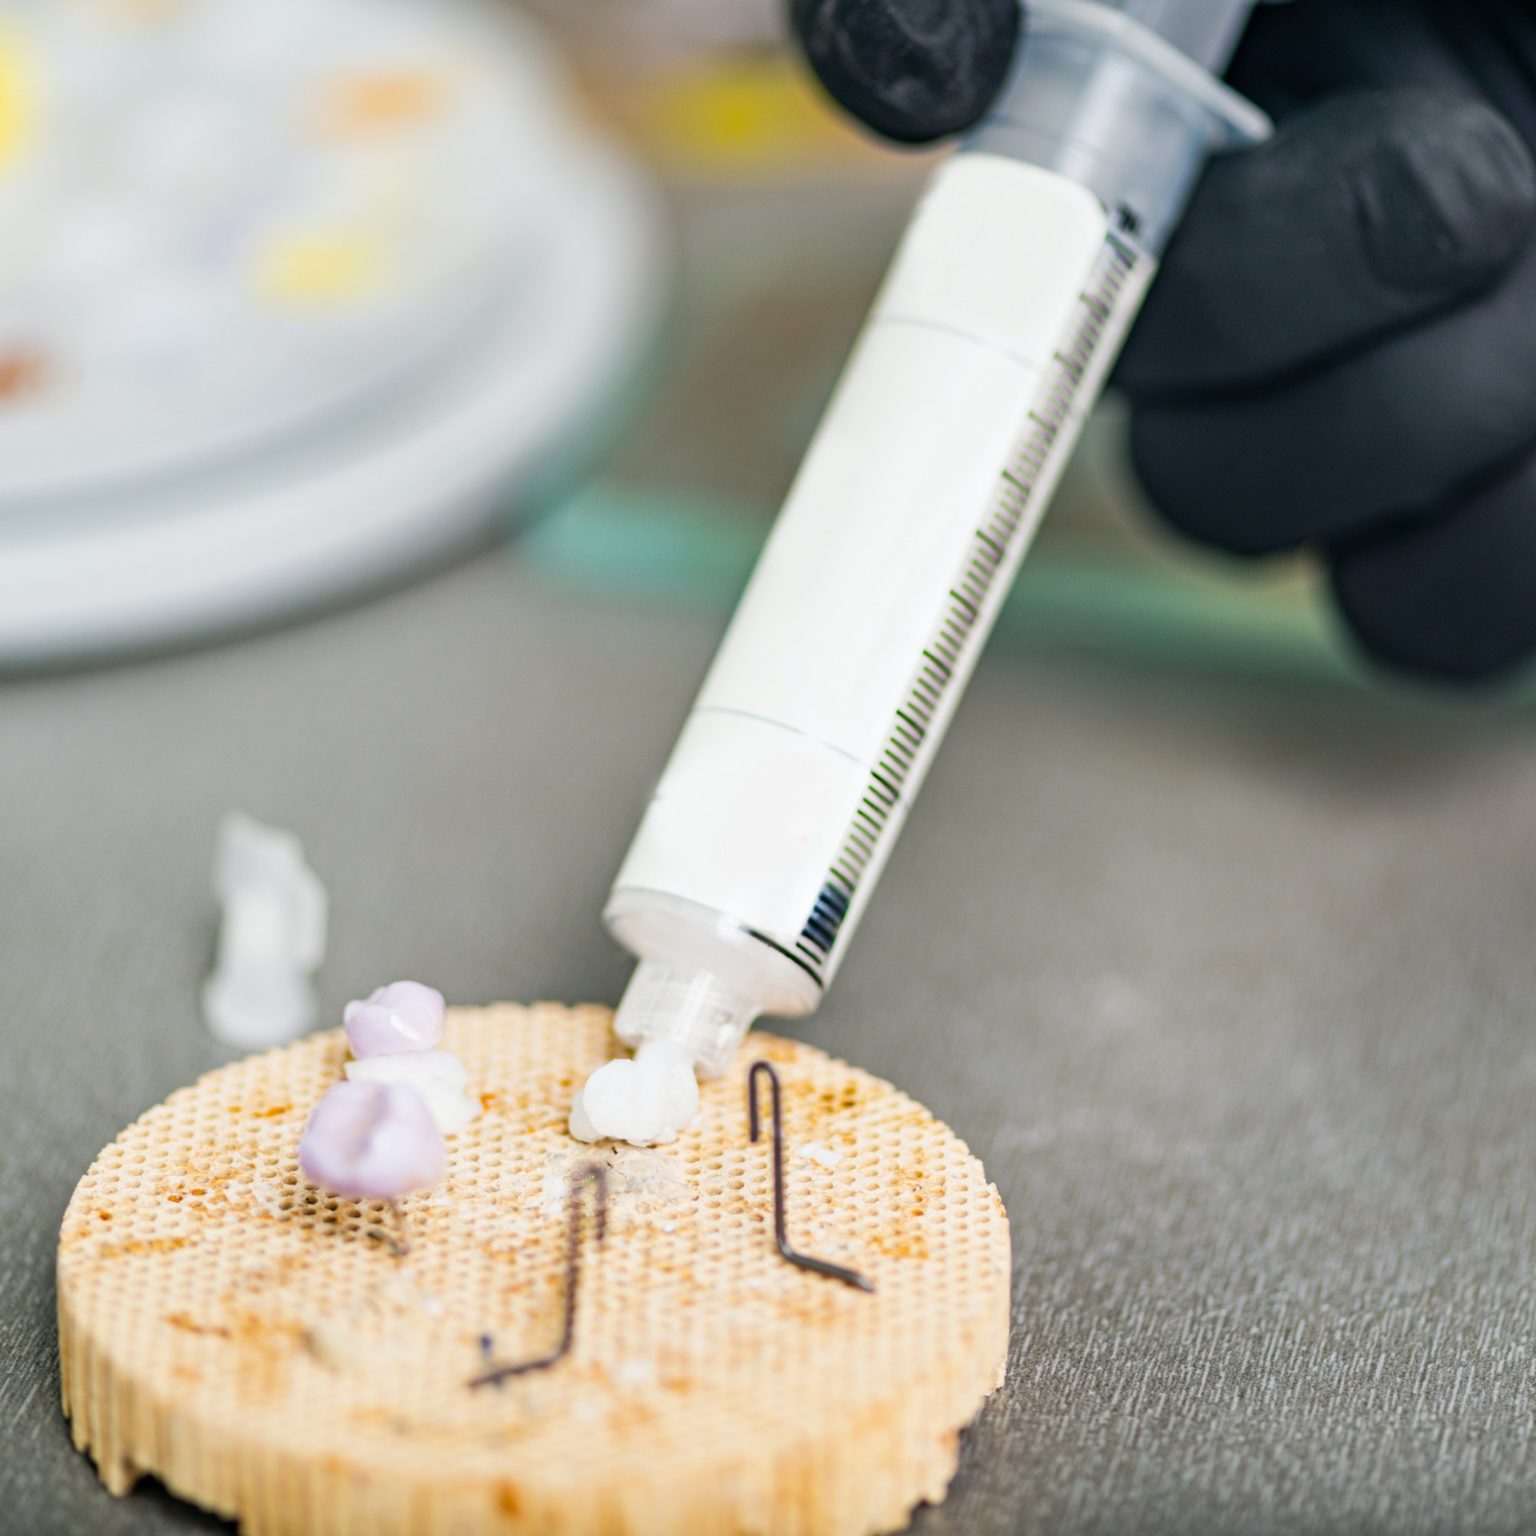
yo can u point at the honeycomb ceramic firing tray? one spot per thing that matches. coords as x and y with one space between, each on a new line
254 1343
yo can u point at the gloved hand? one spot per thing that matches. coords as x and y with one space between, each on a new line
1340 349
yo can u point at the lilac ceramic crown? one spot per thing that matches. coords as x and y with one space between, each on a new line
372 1141
404 1016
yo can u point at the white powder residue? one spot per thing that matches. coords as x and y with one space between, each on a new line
639 1179
633 1373
554 1193
816 1152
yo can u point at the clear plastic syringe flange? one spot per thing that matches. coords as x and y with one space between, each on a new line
990 340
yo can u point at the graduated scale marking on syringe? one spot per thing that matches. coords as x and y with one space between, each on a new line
945 661
1014 286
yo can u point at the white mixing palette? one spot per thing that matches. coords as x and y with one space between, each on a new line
248 251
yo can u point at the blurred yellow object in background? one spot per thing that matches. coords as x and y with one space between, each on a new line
319 268
18 98
742 111
745 116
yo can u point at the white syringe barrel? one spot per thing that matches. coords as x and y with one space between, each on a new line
989 341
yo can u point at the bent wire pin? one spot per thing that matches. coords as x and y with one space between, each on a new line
803 1260
597 1176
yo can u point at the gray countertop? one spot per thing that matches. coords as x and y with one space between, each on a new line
1229 983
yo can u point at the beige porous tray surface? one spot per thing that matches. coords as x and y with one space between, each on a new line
254 1342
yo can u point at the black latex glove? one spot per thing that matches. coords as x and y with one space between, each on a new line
1340 350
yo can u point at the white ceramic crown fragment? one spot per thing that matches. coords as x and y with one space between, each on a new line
271 939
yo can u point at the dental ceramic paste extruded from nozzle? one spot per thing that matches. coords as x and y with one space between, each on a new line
645 1100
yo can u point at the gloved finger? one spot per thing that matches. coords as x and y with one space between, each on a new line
913 70
1306 49
1359 217
1393 430
1299 52
1454 598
